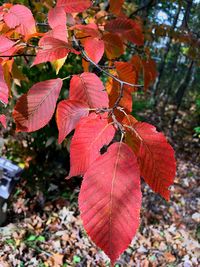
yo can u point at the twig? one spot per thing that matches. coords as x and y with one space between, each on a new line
151 2
107 73
20 55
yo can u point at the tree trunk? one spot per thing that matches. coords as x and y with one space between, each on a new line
166 96
163 63
181 91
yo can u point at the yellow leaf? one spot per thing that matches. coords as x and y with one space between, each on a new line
57 64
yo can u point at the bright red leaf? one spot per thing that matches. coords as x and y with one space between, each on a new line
20 18
156 156
110 200
57 17
68 114
59 32
91 134
3 120
94 49
74 6
5 44
51 49
3 88
35 109
127 28
88 88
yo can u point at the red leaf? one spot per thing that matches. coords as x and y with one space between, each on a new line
88 88
150 72
126 73
156 156
35 109
128 28
94 49
68 114
3 120
90 29
74 6
59 32
5 44
20 18
51 49
57 17
91 134
113 45
116 7
110 200
3 87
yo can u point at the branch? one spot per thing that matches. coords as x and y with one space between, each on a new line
20 55
150 3
84 54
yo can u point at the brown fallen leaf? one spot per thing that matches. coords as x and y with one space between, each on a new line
57 259
169 257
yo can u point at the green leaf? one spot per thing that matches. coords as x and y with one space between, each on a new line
40 238
76 259
32 238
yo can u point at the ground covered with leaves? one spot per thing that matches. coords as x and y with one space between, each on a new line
43 226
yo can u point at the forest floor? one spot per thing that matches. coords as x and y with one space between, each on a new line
46 230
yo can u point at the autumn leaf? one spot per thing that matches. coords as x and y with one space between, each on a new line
155 155
129 29
3 120
51 49
94 49
150 72
35 109
116 7
74 6
20 18
91 134
68 114
114 46
110 200
88 88
57 17
5 44
3 88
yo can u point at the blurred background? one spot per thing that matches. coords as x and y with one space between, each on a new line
42 226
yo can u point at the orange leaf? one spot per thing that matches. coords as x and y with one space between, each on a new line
113 45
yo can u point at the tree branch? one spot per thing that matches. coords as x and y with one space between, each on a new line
150 3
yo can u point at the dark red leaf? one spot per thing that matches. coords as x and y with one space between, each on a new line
127 28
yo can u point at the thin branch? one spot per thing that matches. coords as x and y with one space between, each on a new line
107 73
150 3
121 93
20 55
